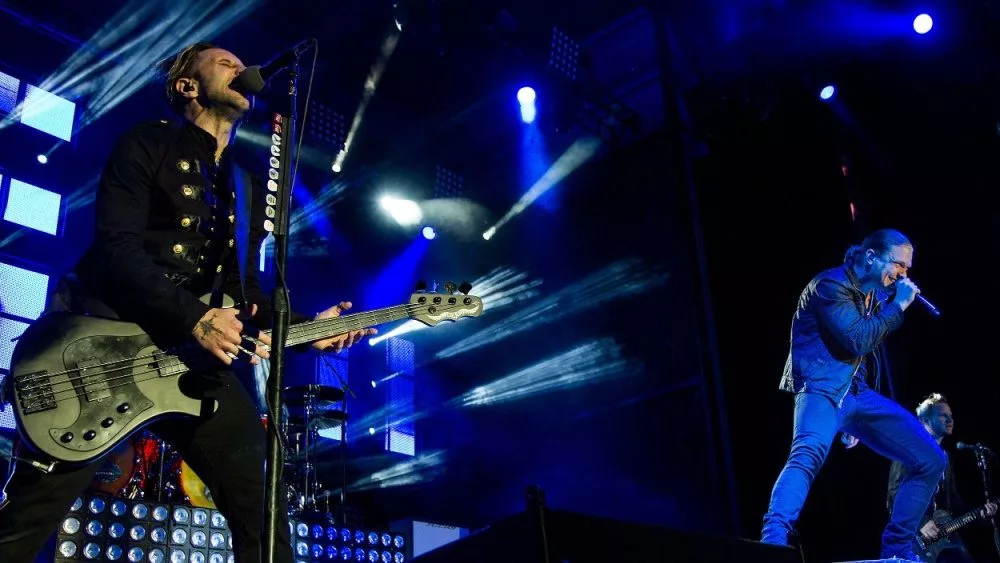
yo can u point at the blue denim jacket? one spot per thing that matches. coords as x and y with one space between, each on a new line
832 333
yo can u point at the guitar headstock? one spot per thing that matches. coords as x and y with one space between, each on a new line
431 308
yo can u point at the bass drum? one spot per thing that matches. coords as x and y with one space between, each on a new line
117 472
194 489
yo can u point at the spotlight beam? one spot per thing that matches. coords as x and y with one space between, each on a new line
574 157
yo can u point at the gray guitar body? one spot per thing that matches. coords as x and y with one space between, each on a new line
82 384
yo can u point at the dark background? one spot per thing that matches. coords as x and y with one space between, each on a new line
718 100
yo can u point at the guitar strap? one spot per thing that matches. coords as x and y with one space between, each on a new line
244 200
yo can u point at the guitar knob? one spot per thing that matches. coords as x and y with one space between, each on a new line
465 288
450 287
421 286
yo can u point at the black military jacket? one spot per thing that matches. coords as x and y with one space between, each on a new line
166 231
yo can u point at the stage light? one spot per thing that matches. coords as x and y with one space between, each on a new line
42 159
404 211
526 95
922 24
526 99
827 92
48 112
33 207
371 431
337 167
429 233
489 233
121 529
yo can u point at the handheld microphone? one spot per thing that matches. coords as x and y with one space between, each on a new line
930 307
254 79
964 446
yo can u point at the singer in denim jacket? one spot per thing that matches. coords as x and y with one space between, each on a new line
840 320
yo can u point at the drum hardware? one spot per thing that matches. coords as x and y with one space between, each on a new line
310 406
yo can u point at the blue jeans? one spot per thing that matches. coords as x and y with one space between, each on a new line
878 423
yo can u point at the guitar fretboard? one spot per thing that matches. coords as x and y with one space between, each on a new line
311 331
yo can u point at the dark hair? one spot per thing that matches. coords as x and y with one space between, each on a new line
179 66
881 241
932 400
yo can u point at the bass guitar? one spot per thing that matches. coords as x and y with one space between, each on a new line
82 384
929 549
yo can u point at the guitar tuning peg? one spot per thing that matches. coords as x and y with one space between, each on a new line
450 288
421 286
465 288
434 286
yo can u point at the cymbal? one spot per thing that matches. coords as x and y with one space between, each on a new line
325 419
301 394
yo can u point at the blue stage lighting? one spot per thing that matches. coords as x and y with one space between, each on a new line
429 233
922 24
48 112
526 96
33 207
23 293
827 93
43 159
8 92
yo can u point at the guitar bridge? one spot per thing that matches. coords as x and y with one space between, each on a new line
34 392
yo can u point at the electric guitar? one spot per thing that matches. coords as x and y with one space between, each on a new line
82 384
930 549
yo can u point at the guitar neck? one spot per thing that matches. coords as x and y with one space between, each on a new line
311 331
962 521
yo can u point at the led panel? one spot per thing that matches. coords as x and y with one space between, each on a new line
33 207
328 367
9 330
48 112
23 293
400 432
8 92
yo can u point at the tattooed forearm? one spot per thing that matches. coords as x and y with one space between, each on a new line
208 327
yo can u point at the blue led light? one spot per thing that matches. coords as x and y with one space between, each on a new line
48 113
33 207
8 92
22 292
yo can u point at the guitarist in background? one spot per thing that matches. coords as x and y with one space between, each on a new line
935 414
166 233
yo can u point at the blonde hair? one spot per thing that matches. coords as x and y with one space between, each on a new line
924 408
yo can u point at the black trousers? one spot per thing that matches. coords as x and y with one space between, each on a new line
226 448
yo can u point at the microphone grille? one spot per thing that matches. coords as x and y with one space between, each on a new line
250 81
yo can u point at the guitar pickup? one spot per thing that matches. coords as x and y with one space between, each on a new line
92 380
34 392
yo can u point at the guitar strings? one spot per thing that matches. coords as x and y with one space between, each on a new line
48 391
307 329
311 328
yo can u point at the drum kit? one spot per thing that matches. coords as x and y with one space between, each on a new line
146 467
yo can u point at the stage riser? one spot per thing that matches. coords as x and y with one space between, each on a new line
578 539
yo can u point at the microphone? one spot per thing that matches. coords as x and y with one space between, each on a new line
254 79
923 301
930 306
964 446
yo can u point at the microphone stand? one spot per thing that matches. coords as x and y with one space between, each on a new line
283 126
981 463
